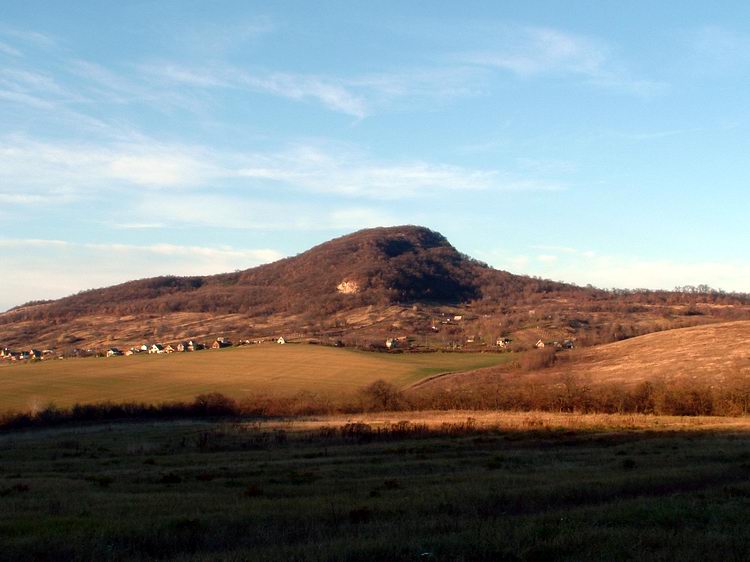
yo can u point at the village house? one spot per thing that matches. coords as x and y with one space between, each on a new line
503 343
568 344
156 348
195 346
281 340
34 354
391 343
145 348
220 343
539 344
170 349
113 352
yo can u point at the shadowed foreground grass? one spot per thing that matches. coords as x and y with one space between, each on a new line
439 487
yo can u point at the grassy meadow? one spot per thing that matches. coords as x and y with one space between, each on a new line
242 372
453 486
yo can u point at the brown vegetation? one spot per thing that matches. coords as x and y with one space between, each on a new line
388 266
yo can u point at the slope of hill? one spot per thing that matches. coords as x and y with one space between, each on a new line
708 355
361 288
371 268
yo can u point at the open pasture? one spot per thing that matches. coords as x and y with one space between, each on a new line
271 370
709 355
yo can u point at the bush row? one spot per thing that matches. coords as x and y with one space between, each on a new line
565 394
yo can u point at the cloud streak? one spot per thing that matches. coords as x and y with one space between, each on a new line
30 170
56 268
621 271
536 51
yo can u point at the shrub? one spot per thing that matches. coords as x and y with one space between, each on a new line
538 359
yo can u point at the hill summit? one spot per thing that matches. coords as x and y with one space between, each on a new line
397 264
373 266
371 270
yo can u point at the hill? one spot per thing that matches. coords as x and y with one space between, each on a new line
404 281
713 355
369 270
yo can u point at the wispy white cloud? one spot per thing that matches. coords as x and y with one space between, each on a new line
138 225
28 36
350 173
358 96
331 93
242 213
622 271
32 169
217 39
56 268
534 51
9 50
721 48
162 249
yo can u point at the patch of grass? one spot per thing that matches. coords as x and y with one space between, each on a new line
491 488
239 373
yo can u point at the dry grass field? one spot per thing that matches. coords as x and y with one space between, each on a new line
712 355
270 370
388 486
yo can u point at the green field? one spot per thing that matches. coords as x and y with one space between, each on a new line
278 370
253 491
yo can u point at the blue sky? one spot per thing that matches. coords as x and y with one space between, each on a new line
592 142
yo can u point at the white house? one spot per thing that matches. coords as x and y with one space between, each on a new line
156 348
281 340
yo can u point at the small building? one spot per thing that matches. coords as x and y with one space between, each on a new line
458 317
170 348
391 343
34 354
221 343
281 340
568 344
113 352
503 343
195 346
182 347
156 348
145 348
539 344
470 339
